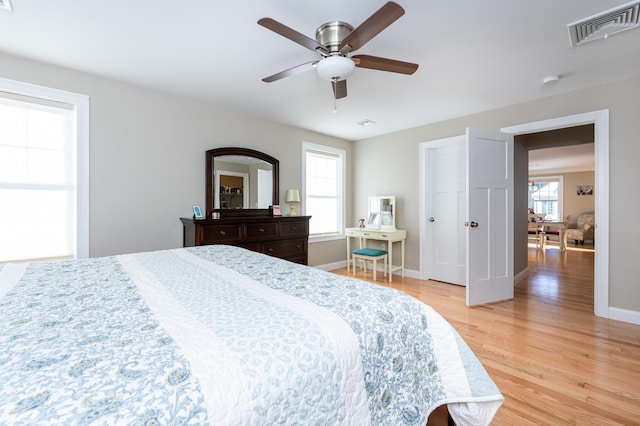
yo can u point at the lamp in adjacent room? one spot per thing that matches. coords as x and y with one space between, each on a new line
292 197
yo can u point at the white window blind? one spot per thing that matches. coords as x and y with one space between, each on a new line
324 190
39 191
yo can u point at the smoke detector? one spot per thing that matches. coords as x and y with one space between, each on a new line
604 24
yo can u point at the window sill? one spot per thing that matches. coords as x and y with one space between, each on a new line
326 237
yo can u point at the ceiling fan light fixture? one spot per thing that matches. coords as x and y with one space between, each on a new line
335 68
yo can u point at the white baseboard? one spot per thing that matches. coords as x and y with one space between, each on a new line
520 276
625 315
343 264
332 266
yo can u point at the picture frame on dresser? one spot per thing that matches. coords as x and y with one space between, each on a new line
197 213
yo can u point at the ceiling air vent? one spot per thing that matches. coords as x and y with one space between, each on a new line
604 24
5 4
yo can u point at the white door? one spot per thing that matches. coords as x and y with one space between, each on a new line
446 211
489 217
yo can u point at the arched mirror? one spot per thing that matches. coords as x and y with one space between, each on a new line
241 182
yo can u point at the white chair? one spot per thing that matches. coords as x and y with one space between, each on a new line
369 255
536 233
536 229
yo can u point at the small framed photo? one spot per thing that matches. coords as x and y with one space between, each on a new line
276 210
584 190
197 213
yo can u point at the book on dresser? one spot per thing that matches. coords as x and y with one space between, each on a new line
285 237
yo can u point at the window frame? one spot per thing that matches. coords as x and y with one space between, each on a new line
81 108
341 154
555 178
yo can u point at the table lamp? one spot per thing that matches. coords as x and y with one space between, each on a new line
292 197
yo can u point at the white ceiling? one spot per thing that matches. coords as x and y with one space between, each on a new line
474 55
564 159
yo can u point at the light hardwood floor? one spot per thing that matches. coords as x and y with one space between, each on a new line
555 362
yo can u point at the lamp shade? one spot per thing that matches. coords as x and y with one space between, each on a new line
335 68
292 196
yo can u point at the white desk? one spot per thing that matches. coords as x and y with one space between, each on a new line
561 227
390 236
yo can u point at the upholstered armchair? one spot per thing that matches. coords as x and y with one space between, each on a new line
584 229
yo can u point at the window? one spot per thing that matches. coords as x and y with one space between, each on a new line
545 196
323 174
43 173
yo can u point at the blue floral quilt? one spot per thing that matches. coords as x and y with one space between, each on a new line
223 335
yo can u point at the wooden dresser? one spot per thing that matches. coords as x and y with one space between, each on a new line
285 237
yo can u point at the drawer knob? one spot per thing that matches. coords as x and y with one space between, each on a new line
298 246
293 228
270 250
223 233
261 229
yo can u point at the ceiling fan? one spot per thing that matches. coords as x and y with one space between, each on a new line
335 41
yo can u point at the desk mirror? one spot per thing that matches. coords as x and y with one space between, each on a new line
241 182
381 212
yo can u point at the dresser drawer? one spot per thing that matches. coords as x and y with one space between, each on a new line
285 237
286 249
212 234
256 231
294 228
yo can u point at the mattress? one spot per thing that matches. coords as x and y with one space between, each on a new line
223 335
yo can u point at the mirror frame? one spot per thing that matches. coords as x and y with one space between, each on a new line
210 179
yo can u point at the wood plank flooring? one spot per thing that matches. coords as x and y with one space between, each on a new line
555 362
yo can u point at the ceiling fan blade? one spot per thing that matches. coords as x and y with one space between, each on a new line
384 64
291 71
377 22
291 34
339 89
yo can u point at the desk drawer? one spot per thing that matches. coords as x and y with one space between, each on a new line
286 249
212 234
256 231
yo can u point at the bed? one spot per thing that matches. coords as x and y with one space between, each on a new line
222 335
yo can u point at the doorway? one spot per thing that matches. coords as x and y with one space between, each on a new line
600 121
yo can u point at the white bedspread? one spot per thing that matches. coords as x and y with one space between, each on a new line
222 335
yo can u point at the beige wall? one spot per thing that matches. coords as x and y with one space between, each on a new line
147 156
575 204
389 164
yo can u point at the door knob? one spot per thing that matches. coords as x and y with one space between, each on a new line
474 224
432 219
